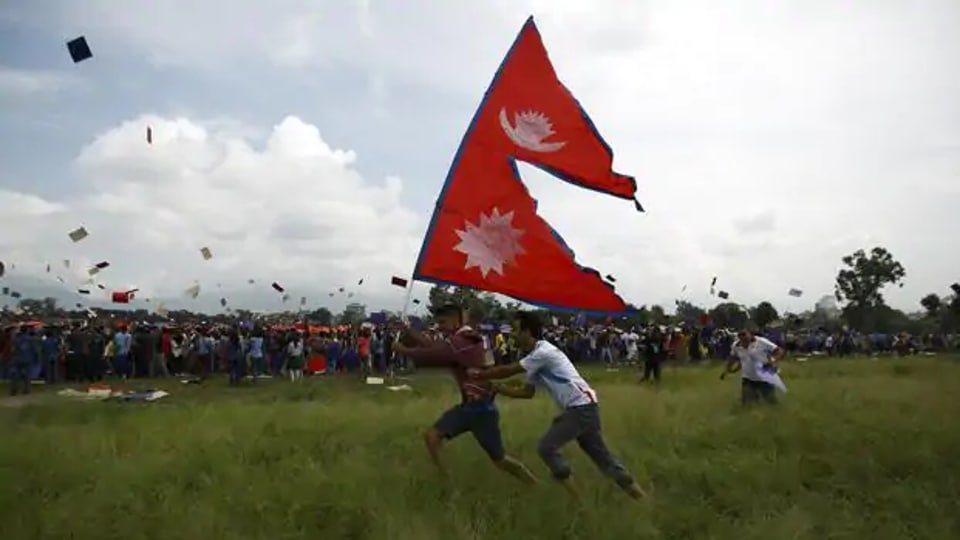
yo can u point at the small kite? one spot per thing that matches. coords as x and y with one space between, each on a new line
193 291
77 235
79 50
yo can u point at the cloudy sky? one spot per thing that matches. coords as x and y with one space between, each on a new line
306 141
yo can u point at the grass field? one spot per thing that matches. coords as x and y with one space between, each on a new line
859 449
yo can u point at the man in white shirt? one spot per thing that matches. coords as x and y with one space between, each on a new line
630 339
548 367
755 357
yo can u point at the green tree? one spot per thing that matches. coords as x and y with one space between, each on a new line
482 306
658 315
764 313
322 316
687 312
729 315
954 305
861 282
932 304
943 312
641 316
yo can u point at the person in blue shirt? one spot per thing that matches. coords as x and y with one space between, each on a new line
25 354
50 347
122 342
333 355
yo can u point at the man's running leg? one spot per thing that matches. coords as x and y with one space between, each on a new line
452 423
592 443
486 430
563 430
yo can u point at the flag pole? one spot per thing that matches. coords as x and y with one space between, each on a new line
406 301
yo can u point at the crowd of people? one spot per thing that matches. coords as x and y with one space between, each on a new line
56 351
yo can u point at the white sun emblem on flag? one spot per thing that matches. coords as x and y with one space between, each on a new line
490 244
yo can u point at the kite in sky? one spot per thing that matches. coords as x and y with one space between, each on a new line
79 49
485 232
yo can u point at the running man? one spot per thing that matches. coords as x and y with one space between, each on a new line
462 348
548 367
755 357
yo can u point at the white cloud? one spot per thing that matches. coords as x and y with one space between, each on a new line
296 212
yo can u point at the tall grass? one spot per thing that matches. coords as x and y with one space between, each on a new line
858 449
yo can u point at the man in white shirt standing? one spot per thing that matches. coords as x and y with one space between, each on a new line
549 368
755 357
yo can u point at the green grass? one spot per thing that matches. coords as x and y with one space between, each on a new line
859 449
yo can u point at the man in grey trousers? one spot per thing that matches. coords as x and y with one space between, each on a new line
548 367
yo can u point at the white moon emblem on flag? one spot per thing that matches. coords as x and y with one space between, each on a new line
531 131
491 243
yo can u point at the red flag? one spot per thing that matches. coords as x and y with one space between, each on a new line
121 297
495 241
529 114
485 232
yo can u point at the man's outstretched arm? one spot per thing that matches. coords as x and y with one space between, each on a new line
497 372
437 355
519 391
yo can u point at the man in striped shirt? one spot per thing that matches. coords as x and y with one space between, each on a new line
477 413
549 368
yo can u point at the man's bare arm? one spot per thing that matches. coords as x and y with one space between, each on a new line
525 391
497 372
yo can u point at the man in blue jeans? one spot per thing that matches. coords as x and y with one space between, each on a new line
25 355
462 348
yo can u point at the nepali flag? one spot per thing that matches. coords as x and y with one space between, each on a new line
485 232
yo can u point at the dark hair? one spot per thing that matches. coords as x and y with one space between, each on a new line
530 322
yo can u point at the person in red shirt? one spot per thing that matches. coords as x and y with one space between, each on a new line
363 350
461 349
166 351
